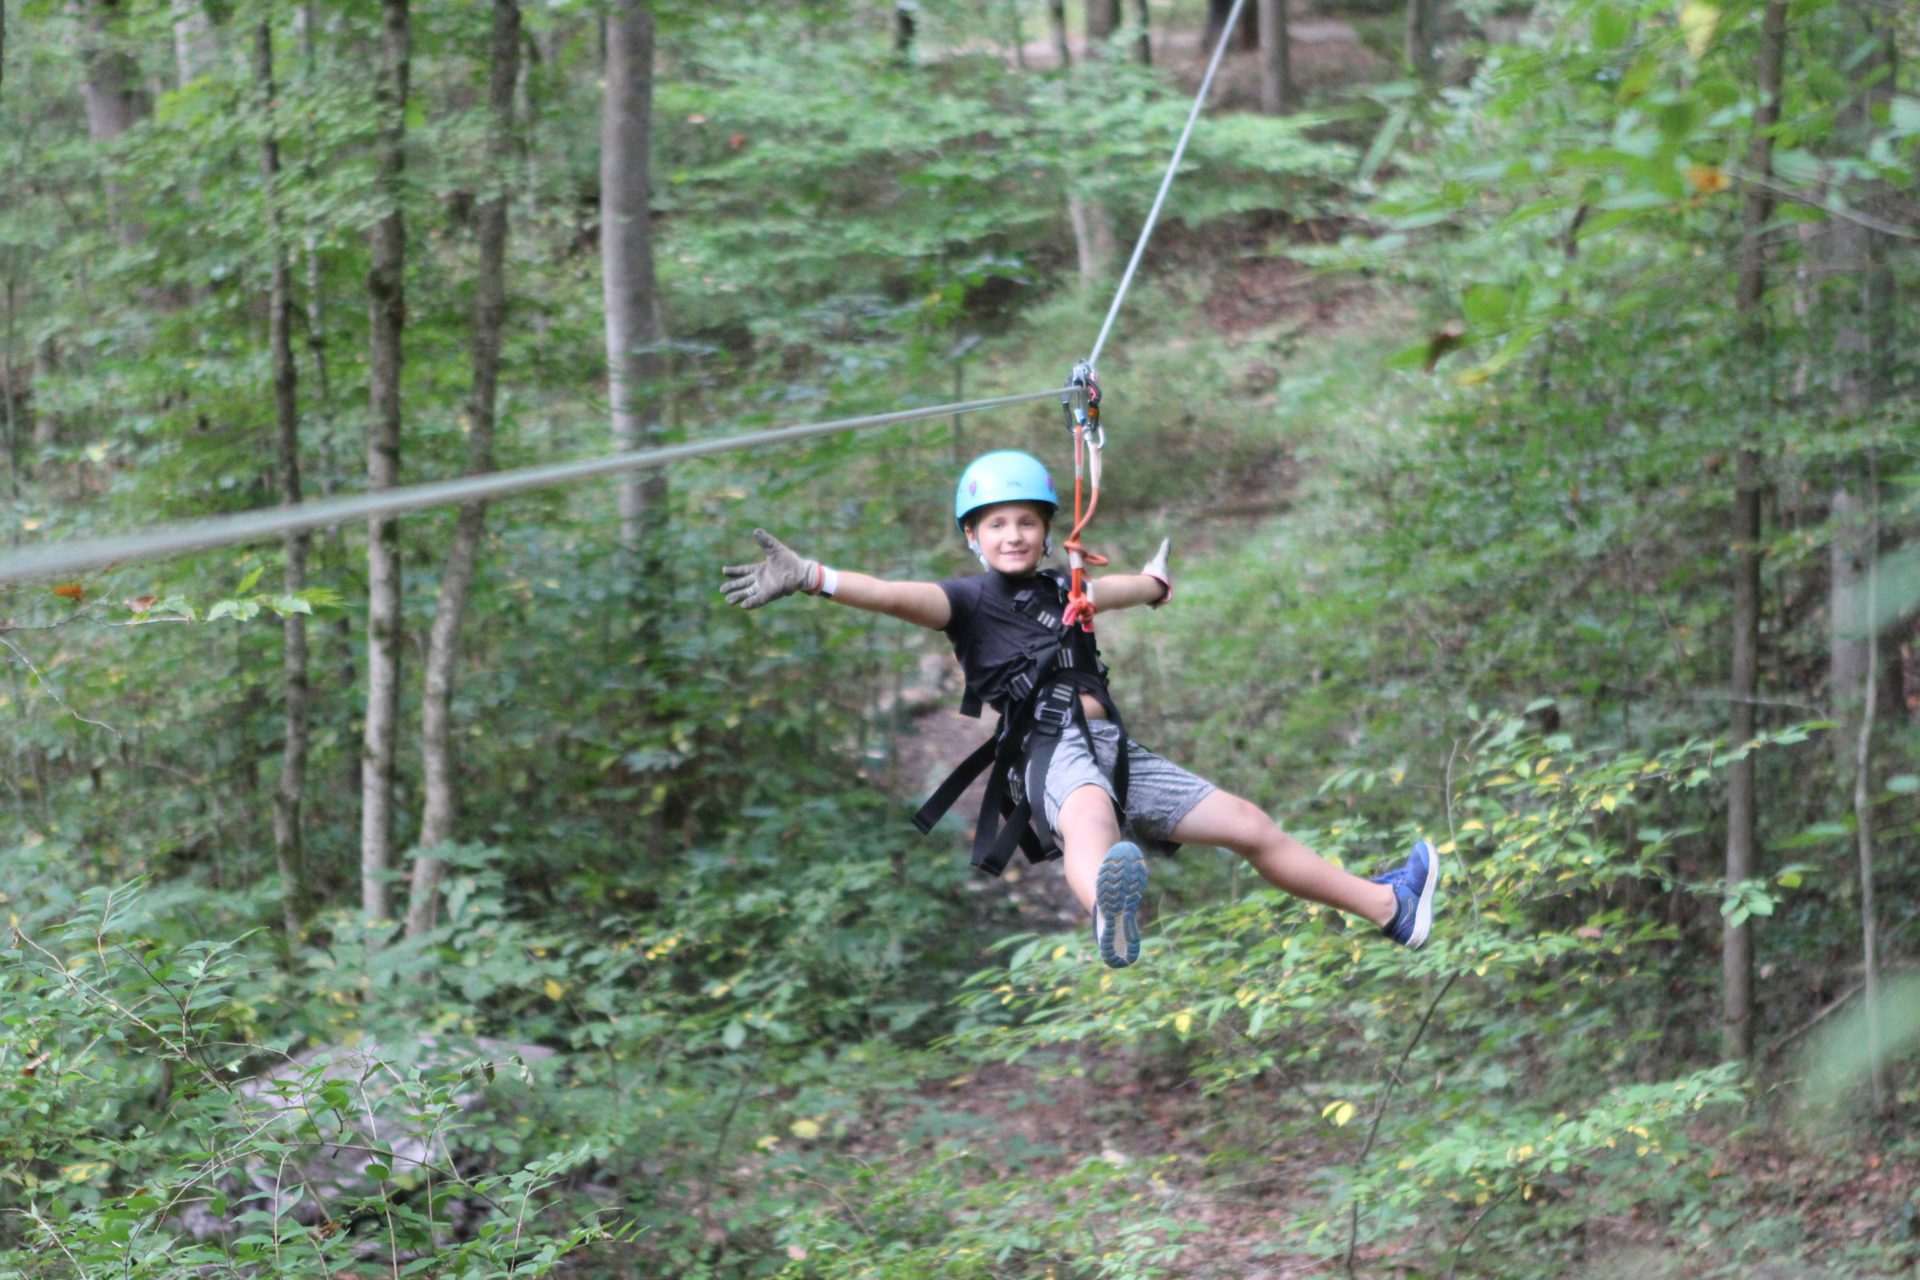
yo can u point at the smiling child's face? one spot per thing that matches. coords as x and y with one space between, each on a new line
1012 536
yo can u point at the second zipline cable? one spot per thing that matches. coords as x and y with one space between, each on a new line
65 558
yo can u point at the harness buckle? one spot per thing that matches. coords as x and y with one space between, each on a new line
1056 707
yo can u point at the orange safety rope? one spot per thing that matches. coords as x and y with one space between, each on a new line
1081 401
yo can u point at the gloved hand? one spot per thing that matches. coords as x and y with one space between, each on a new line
1156 568
782 573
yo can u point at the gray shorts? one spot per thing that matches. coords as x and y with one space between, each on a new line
1159 792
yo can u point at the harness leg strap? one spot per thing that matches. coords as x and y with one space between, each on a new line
957 782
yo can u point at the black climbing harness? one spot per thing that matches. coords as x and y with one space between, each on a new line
1042 704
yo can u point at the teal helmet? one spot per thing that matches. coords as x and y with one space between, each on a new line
1004 476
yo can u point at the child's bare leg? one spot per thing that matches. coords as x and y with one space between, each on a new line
1240 825
1087 829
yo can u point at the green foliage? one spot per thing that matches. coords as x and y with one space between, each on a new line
1491 596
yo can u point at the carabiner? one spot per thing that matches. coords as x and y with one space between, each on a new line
1081 400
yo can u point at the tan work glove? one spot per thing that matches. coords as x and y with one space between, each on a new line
782 573
1156 569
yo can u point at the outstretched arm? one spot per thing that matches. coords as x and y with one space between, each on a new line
782 572
1153 585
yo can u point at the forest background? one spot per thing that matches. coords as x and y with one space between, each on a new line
1528 390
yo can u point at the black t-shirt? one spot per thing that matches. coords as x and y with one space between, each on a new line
994 640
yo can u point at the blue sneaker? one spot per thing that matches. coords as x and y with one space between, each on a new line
1413 883
1116 904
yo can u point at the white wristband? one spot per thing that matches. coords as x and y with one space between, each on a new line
829 581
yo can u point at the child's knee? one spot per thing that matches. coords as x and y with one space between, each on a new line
1087 810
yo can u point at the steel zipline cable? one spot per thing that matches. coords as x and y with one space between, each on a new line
62 558
1166 181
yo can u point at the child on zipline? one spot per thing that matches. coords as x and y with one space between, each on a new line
1062 762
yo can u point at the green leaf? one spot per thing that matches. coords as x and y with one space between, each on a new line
246 583
1487 304
1611 27
1904 784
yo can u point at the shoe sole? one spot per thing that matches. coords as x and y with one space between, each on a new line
1423 914
1117 890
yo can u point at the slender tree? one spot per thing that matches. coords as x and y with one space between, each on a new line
8 387
345 675
108 90
1420 23
1867 350
1103 19
1142 42
1276 59
1218 11
626 255
441 808
290 792
195 45
1057 29
1736 950
386 296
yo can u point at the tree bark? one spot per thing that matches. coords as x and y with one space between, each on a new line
1057 27
1863 830
345 675
1864 347
194 47
1420 39
1869 352
107 89
1736 949
46 367
386 296
440 813
626 252
1093 238
290 793
1244 38
904 23
1103 19
11 387
1276 59
1142 40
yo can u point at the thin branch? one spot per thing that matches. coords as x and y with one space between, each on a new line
1380 1111
1813 201
1467 1235
47 688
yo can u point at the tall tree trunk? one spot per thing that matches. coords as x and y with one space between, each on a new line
1865 348
905 20
1244 37
1057 28
1276 59
1736 950
439 818
1420 26
1868 344
46 367
1863 820
345 677
1093 238
386 296
290 793
108 91
1103 19
626 254
12 387
194 47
